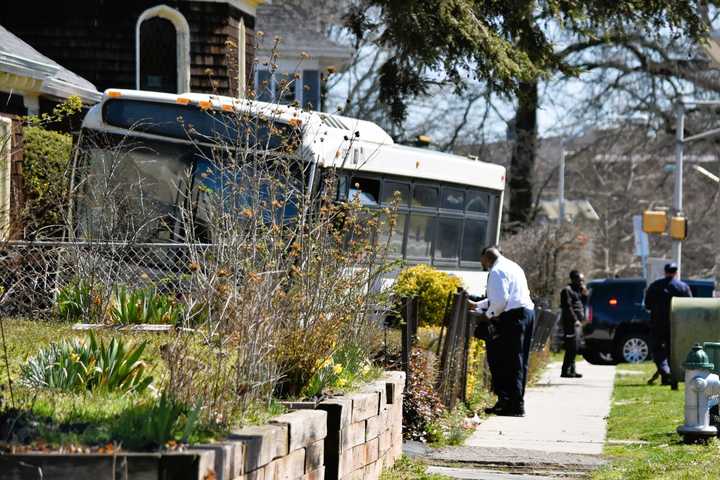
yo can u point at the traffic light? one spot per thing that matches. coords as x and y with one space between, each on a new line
678 228
654 221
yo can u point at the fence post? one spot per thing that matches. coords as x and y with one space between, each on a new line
445 321
408 331
451 368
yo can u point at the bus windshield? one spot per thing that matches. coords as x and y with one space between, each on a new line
144 190
130 188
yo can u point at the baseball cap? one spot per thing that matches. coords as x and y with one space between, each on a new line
671 267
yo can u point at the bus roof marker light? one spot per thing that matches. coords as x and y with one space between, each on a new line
113 93
183 100
227 107
205 104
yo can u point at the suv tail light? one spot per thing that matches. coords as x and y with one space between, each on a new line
589 315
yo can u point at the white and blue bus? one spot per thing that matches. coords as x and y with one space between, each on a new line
449 206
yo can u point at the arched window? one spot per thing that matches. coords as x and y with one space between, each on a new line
159 31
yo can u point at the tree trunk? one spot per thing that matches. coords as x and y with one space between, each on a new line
523 155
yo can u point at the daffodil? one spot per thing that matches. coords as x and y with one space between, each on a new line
337 369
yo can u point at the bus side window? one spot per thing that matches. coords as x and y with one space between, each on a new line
448 239
389 189
453 199
420 236
367 190
478 202
474 239
425 196
393 237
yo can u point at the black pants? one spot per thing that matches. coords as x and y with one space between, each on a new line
660 344
570 345
515 329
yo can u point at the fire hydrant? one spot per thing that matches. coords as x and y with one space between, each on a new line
702 388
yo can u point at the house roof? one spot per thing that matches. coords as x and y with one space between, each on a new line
43 75
300 31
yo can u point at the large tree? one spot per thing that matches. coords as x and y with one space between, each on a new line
509 46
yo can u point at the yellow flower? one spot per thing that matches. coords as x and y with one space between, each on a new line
341 382
74 357
337 369
327 362
365 369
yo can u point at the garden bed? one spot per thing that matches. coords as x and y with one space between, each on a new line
97 434
345 436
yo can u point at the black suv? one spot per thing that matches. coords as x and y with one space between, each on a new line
618 328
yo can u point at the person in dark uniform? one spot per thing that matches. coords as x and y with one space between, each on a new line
573 299
657 300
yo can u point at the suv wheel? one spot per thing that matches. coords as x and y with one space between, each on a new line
634 348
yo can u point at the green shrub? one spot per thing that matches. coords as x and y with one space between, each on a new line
75 365
431 286
79 301
347 367
46 156
152 424
144 306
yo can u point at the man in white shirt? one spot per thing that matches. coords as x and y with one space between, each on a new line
509 307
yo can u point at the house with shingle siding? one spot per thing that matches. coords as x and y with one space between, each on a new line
170 46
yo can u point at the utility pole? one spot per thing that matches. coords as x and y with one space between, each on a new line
561 183
678 193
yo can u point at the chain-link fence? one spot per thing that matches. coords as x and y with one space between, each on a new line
33 273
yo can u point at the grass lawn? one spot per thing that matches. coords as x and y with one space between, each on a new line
25 338
650 414
83 418
410 469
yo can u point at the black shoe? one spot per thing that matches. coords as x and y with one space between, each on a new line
495 408
666 380
511 412
571 375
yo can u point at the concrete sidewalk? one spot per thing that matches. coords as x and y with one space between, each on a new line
563 415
